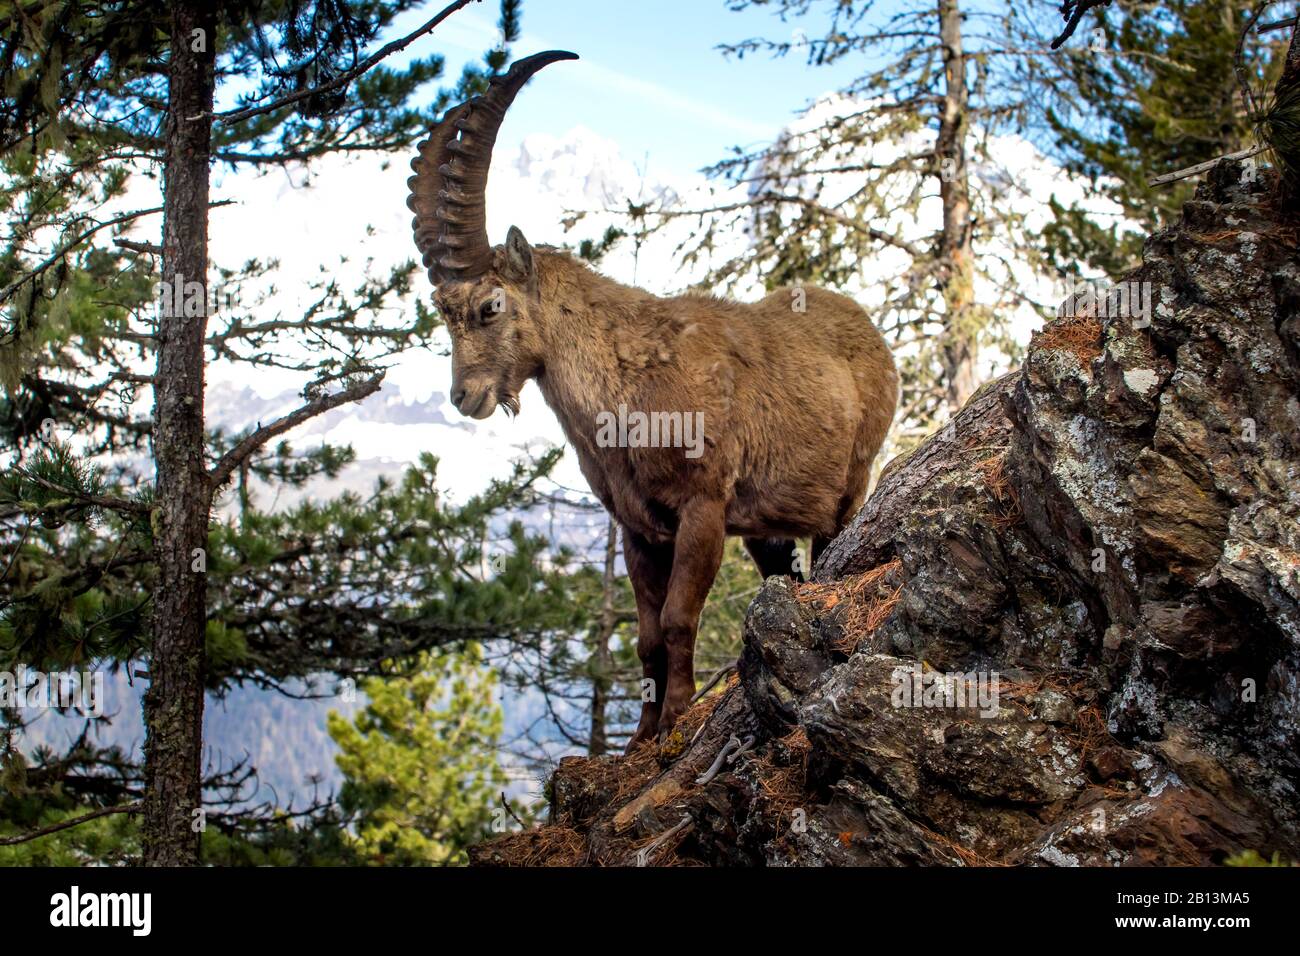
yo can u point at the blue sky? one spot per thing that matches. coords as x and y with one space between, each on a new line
650 77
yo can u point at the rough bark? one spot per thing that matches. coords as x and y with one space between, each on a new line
174 701
1109 535
956 260
1291 67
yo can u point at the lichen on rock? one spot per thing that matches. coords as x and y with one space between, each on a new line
1106 540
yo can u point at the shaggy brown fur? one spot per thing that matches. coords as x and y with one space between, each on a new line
795 407
793 394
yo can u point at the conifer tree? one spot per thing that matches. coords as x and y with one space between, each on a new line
1144 89
88 89
421 778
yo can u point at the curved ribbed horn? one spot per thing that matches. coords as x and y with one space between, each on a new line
451 171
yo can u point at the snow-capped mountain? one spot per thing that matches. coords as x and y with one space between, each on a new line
351 213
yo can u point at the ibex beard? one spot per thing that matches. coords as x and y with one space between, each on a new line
795 394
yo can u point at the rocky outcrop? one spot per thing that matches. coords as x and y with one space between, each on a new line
1065 630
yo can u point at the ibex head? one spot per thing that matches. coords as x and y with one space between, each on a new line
488 296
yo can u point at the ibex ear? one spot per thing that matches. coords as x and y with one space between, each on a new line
519 257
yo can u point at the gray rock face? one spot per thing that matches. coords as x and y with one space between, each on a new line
1065 630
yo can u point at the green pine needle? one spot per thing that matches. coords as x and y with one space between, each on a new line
54 483
1279 128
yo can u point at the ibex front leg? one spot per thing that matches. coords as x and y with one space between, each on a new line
697 554
648 567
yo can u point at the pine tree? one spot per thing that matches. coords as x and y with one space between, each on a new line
1145 89
419 762
138 81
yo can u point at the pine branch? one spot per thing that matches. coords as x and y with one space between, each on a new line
232 116
229 462
99 501
775 198
63 250
82 579
68 824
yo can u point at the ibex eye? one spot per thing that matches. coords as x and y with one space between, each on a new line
488 311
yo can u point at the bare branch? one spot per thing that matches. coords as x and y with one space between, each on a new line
511 810
837 217
1073 11
712 681
147 248
1276 25
1238 61
1204 167
240 453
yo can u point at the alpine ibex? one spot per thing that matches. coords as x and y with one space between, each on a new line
794 393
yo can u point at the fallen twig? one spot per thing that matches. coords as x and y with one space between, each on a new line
721 673
643 854
745 746
511 810
716 768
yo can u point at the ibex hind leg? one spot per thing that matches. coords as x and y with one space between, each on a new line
855 491
848 508
775 556
819 544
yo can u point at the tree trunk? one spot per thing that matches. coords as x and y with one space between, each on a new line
602 661
1291 68
174 701
956 262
